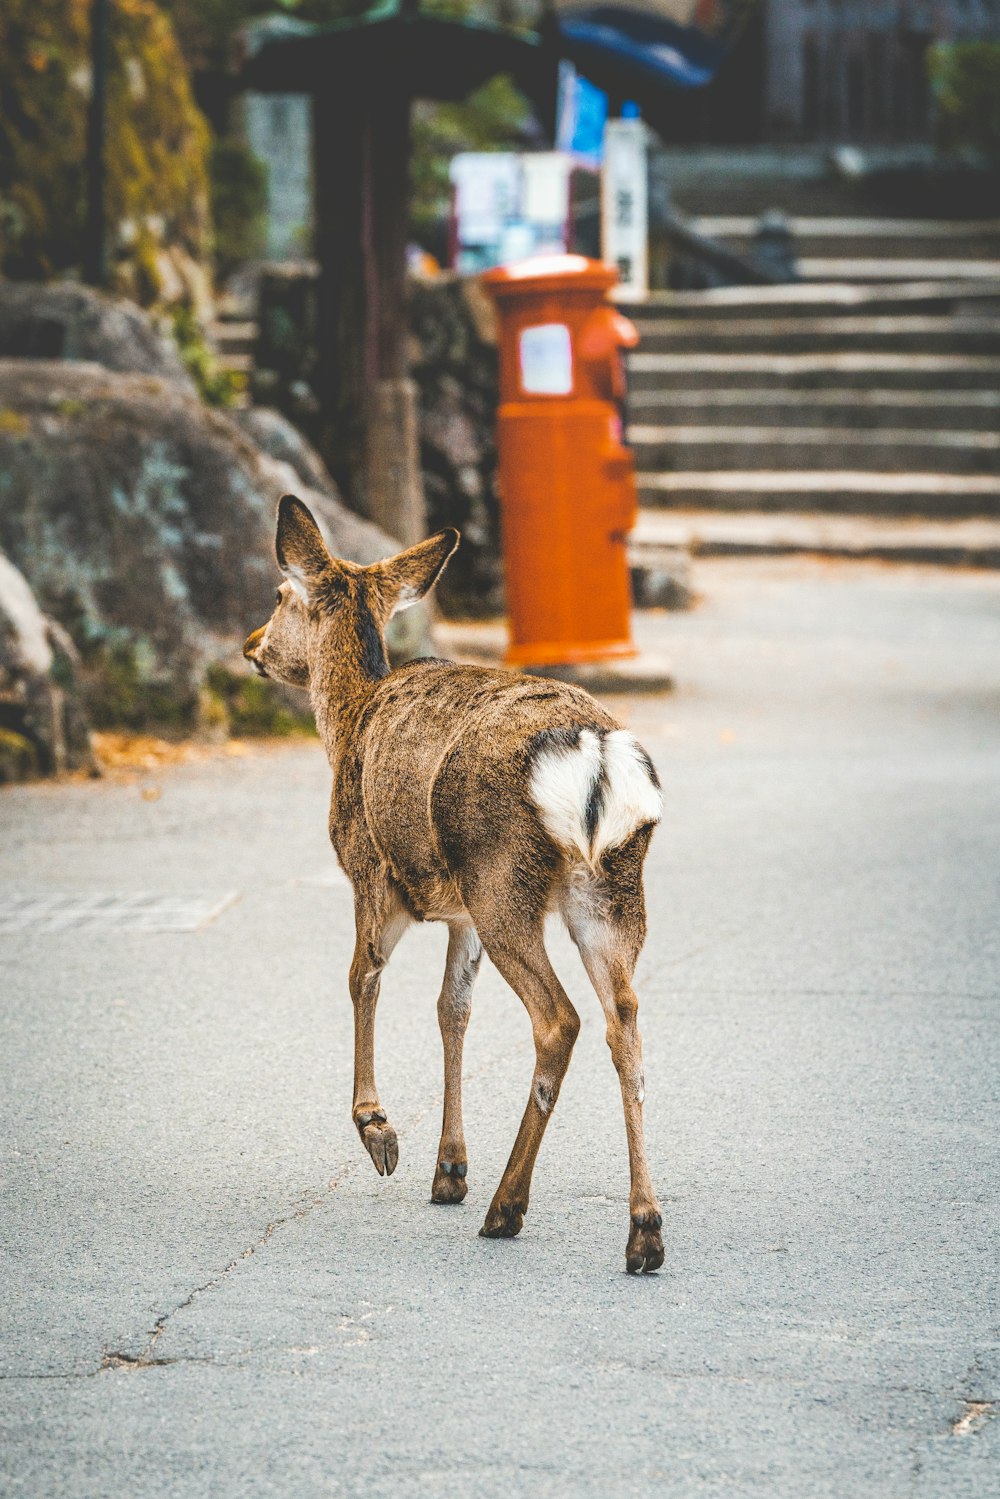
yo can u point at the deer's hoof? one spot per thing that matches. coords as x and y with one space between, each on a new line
504 1220
450 1184
645 1243
379 1139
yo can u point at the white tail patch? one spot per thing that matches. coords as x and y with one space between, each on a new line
594 792
632 798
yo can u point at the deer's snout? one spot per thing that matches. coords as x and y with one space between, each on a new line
250 647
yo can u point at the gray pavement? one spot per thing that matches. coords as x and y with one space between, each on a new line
206 1290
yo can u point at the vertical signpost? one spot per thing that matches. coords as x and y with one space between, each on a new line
624 207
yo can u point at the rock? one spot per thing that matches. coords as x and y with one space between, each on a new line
661 578
275 435
145 523
43 729
66 321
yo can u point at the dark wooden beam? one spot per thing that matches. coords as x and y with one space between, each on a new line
95 255
340 113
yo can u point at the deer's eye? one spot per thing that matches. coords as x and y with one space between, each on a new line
277 597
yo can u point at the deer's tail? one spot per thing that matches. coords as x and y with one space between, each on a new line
593 789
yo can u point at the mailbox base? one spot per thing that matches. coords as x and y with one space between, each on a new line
558 653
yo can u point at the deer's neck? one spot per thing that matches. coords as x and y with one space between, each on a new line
339 687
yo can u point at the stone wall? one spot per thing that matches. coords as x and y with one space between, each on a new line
453 361
454 365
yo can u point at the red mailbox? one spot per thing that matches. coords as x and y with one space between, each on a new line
567 484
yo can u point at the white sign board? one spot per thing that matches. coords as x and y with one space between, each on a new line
509 206
624 207
546 355
487 190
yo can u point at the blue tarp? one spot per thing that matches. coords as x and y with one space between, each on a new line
611 38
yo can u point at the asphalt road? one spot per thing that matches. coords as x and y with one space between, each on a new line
205 1289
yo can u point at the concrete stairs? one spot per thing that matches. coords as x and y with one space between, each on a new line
872 249
846 419
233 336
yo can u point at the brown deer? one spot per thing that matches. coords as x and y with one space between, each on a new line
482 799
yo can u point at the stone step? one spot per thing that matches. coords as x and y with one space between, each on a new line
900 450
872 334
892 268
870 410
820 300
237 364
969 543
231 336
930 495
664 372
940 231
910 239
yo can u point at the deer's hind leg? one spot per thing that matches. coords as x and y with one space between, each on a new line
380 921
607 921
517 950
454 1006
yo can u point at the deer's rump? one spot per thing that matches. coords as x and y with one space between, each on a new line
468 770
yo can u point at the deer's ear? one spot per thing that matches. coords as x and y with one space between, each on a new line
404 579
299 545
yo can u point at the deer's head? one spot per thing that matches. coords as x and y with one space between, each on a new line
328 611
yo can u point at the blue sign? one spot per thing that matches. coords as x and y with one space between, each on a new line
582 115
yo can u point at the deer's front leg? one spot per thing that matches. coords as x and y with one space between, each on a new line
454 1005
379 927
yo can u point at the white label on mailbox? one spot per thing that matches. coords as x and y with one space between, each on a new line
546 354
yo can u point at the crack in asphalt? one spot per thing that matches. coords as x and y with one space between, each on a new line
113 1359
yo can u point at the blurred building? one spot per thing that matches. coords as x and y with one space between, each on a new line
823 71
855 70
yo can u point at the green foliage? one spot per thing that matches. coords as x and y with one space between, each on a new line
965 77
219 387
204 27
123 694
492 118
239 203
251 706
157 190
18 757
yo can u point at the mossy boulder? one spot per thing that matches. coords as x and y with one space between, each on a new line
43 728
63 321
145 523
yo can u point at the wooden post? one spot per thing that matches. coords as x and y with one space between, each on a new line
369 422
338 146
95 261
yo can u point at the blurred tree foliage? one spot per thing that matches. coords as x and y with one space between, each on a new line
158 200
239 203
965 77
165 178
496 116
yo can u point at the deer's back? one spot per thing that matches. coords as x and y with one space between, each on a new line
441 766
